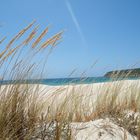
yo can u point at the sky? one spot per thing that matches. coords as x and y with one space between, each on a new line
100 35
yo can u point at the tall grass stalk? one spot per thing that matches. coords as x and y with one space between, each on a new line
29 111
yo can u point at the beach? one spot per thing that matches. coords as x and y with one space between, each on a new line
88 105
87 93
85 100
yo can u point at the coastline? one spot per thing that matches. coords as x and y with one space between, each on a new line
92 87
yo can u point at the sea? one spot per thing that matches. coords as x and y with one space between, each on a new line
66 81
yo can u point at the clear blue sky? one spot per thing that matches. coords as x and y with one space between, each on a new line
103 30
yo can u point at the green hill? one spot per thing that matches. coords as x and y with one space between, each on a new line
124 73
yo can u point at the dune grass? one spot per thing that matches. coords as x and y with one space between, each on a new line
20 106
30 112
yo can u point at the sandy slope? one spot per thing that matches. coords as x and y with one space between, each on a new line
87 95
101 129
98 129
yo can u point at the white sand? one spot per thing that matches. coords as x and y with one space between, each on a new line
89 93
86 95
102 129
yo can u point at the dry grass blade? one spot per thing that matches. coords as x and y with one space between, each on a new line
19 35
40 37
52 41
2 53
31 36
10 53
15 38
1 41
24 30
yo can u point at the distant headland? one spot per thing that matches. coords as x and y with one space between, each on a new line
124 73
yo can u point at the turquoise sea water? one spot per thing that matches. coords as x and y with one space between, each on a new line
66 81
